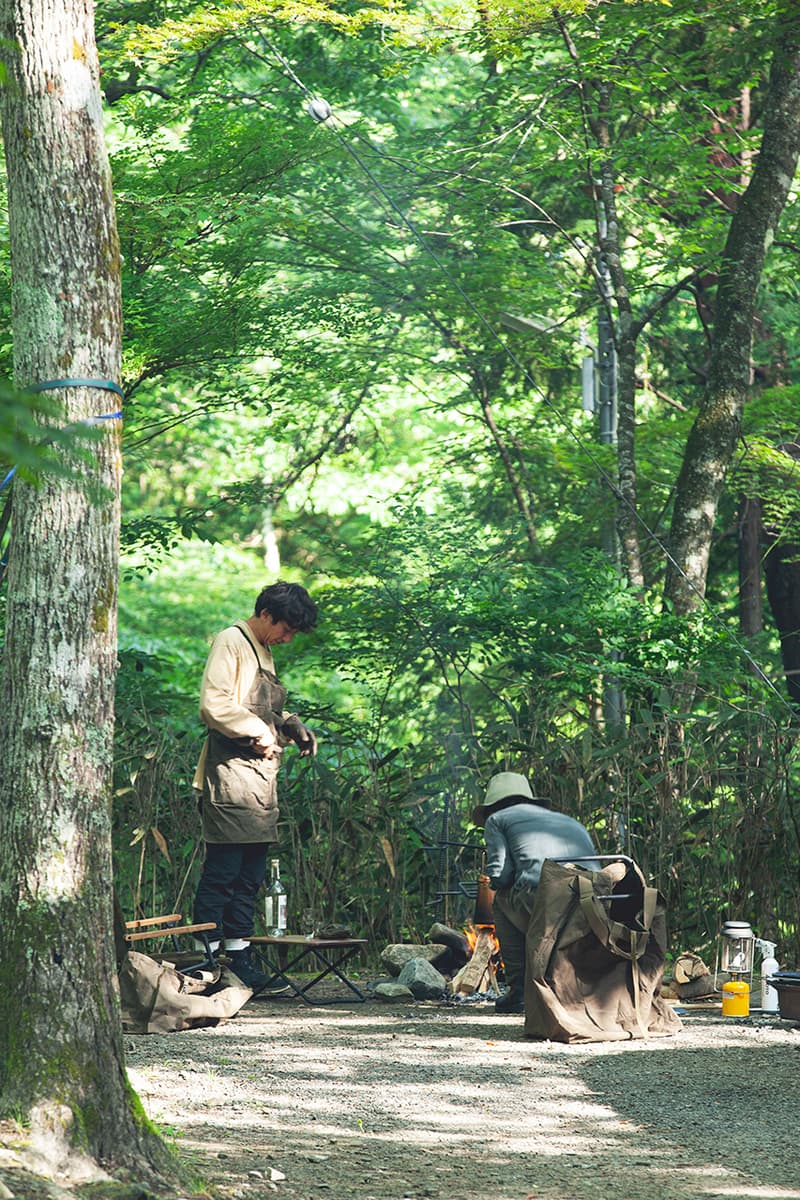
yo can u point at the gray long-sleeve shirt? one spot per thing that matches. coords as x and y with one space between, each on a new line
521 837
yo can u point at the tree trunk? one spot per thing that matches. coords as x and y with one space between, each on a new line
782 573
597 122
750 540
713 437
61 1059
782 566
609 239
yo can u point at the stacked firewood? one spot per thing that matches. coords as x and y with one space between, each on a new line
691 978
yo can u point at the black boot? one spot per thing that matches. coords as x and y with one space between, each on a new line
243 969
513 1001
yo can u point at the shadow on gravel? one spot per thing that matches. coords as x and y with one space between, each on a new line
736 1106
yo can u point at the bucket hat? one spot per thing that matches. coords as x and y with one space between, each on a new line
501 787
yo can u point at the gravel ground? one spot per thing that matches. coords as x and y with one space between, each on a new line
381 1101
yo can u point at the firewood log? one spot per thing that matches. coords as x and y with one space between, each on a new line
688 967
691 977
469 977
695 988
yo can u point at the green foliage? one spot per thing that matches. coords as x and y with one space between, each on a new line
312 352
769 466
155 831
202 24
206 23
451 659
32 442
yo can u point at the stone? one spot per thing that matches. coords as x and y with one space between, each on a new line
392 991
422 979
448 936
395 957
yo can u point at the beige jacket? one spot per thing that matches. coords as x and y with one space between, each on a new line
227 680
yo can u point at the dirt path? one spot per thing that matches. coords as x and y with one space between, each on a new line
386 1102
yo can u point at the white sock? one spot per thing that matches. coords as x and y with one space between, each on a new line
236 944
213 946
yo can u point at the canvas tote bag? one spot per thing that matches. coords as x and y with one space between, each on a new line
594 966
158 998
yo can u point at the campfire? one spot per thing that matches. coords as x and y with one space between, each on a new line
479 974
459 963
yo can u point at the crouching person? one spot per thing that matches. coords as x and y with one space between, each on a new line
521 831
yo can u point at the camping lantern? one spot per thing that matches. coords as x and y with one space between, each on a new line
736 945
735 959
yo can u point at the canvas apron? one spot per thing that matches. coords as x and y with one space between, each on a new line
240 789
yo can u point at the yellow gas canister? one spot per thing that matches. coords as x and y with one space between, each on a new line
736 998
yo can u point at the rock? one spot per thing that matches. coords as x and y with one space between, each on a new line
393 991
458 951
422 979
453 938
395 957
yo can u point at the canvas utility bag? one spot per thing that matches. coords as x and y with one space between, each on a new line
158 998
594 965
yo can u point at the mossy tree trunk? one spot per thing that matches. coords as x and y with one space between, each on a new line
713 438
782 573
61 1057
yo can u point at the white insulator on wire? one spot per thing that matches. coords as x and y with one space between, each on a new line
318 108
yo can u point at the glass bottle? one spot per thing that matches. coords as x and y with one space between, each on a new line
275 902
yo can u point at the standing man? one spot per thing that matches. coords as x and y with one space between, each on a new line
242 705
521 831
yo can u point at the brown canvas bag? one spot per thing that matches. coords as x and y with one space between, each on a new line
158 998
594 966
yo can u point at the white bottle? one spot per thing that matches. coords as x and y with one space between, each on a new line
769 967
275 902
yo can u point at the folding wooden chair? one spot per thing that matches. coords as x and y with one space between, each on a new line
170 926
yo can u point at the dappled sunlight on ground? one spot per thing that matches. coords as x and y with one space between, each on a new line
383 1103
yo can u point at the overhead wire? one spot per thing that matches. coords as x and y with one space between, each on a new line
321 111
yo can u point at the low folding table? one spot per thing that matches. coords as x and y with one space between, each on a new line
283 955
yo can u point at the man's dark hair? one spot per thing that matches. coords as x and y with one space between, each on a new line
288 602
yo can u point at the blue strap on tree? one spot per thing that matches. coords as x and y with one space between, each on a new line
107 384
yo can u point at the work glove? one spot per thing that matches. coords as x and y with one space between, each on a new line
294 728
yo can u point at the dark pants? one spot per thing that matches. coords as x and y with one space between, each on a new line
226 894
